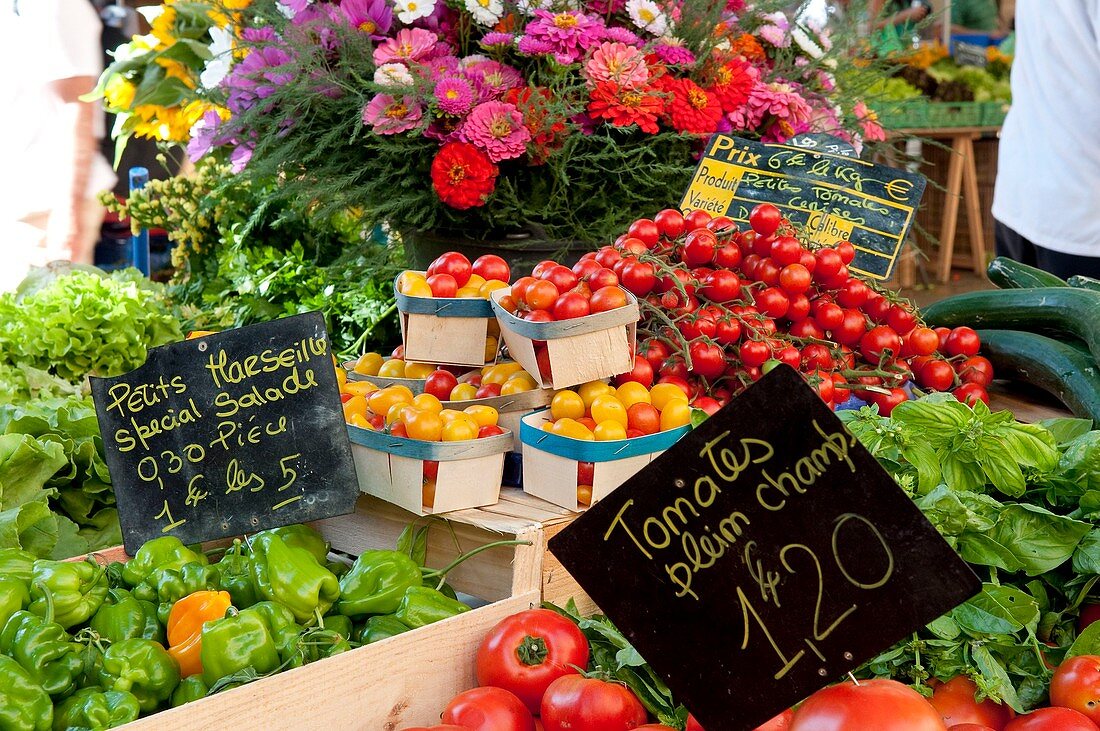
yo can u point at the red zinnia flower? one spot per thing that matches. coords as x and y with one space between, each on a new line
463 176
624 107
732 83
546 127
693 109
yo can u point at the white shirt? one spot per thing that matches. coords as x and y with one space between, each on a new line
1048 176
42 41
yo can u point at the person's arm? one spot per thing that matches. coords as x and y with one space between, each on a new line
913 14
67 231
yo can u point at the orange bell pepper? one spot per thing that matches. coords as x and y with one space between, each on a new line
185 623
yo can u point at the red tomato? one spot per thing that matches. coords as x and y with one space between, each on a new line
828 264
753 352
570 305
765 219
491 266
655 727
696 219
976 369
705 403
885 705
922 341
969 393
586 267
455 264
639 277
877 307
728 256
586 473
699 247
701 324
487 390
489 430
443 285
520 287
772 301
767 271
656 352
847 251
1052 719
576 703
641 373
440 383
727 331
722 225
853 294
782 722
841 392
608 298
602 278
608 256
887 401
901 318
956 704
878 342
562 277
542 267
489 709
937 375
542 294
542 358
1076 685
721 285
692 724
707 360
795 278
528 651
643 417
786 250
971 727
670 223
440 727
962 341
646 230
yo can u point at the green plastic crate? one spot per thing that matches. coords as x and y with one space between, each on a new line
908 114
943 115
993 114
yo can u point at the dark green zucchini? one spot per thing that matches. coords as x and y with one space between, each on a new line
1063 371
1082 282
1010 274
1046 310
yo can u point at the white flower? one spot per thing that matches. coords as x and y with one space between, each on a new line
807 44
468 61
486 12
393 75
290 8
648 16
528 7
221 58
410 10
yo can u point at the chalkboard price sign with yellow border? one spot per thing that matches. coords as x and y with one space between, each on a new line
834 196
763 556
228 433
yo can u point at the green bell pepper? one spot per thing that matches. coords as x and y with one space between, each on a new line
15 563
166 586
123 617
283 628
13 597
380 628
92 708
24 706
235 573
422 606
167 552
338 568
302 536
236 642
45 651
190 689
338 623
317 644
376 583
292 577
142 667
75 589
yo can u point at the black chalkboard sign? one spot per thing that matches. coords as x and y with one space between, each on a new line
762 557
228 433
835 196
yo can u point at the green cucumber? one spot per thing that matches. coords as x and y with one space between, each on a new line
1065 372
1010 274
1082 282
1046 310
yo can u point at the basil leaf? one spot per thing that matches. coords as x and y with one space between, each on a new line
1065 430
1001 467
1087 643
996 678
1038 538
1031 445
997 610
1086 559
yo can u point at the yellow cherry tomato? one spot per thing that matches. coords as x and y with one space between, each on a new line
418 370
491 346
449 415
427 402
567 404
631 393
417 288
392 369
676 413
463 392
491 286
518 384
368 364
548 426
409 276
572 429
397 412
360 421
493 328
356 405
421 424
500 372
483 415
662 393
592 389
609 408
475 280
428 497
609 431
341 378
584 495
359 388
460 430
381 400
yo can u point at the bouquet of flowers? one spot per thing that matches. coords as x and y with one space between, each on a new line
487 116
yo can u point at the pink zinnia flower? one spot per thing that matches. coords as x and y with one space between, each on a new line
606 7
781 106
410 44
498 129
454 95
618 34
534 46
868 122
775 30
441 66
492 78
674 55
497 40
390 115
569 33
619 63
